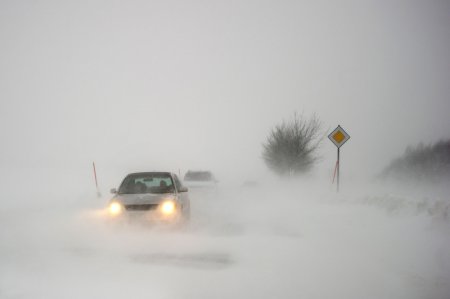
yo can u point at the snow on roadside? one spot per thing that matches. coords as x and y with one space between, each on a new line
280 242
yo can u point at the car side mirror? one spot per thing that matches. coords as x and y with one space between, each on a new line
183 189
113 190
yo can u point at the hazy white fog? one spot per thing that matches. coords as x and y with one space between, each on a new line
198 84
284 241
178 85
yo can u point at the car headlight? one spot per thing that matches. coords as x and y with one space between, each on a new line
115 208
168 207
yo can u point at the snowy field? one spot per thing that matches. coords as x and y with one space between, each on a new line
281 242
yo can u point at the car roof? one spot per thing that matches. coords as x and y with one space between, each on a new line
198 171
150 172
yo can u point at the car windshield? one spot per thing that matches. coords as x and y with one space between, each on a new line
147 183
202 176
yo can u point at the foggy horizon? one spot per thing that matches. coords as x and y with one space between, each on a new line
184 85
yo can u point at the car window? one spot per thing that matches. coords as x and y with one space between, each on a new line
202 176
147 183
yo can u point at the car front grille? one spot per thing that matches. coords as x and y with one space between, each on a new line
142 207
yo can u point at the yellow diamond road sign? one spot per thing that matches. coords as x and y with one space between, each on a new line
339 136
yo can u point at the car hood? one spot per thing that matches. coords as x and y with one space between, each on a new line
140 199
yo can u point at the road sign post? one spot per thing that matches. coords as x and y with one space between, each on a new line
337 179
338 137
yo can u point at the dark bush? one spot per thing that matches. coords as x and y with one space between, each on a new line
422 163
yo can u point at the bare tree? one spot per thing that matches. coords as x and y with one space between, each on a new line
290 147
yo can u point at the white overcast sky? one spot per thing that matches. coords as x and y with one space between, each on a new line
198 84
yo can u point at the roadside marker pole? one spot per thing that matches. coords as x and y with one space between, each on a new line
96 182
334 173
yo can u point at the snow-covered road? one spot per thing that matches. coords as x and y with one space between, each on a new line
241 244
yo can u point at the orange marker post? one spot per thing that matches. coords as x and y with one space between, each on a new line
96 182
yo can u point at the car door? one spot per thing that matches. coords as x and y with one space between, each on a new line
182 196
